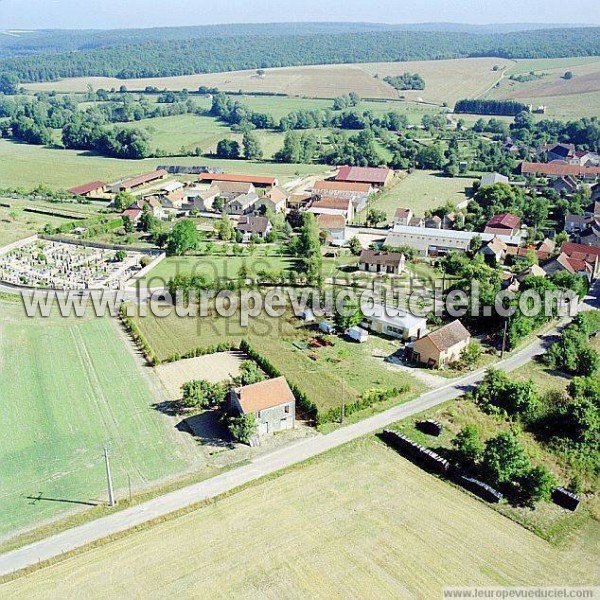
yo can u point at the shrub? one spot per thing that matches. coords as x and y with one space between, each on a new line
242 428
468 448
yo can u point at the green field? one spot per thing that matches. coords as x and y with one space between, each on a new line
23 165
421 191
215 266
16 223
359 521
543 64
171 134
68 386
328 375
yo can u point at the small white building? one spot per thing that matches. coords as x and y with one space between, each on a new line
358 334
394 322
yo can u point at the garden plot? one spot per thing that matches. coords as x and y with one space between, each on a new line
215 368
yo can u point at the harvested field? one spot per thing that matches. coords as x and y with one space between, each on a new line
446 80
359 521
564 98
212 367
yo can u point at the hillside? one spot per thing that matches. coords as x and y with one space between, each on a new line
162 57
23 43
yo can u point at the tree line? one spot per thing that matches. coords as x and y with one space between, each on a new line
172 57
507 108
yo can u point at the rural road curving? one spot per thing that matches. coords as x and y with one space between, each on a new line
261 466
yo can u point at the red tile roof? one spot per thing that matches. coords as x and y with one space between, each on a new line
504 221
449 335
142 179
342 186
580 251
331 221
255 179
336 203
558 168
86 188
264 394
363 174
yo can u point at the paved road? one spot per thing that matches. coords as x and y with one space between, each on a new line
259 467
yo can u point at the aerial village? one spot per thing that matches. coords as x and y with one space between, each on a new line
240 215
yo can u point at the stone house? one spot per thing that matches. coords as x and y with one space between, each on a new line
271 402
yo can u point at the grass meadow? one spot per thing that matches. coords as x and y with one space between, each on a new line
358 521
26 166
216 266
421 191
67 387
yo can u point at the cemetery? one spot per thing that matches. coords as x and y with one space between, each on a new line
39 263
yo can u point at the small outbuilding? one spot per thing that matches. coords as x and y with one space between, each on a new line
358 334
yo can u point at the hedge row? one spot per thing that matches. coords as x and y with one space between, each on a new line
202 351
366 400
138 337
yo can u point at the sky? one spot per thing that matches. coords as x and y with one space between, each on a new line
105 14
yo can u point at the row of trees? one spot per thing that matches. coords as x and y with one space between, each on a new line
505 108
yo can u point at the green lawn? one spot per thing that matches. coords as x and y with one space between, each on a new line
327 375
67 387
23 165
421 191
170 134
216 266
15 223
279 106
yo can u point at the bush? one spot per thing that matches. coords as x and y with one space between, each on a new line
468 448
242 428
537 484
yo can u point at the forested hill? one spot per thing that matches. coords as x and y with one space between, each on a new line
54 41
161 58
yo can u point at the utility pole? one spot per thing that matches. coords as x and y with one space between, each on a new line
343 403
111 496
504 338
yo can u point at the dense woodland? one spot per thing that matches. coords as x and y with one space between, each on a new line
168 57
